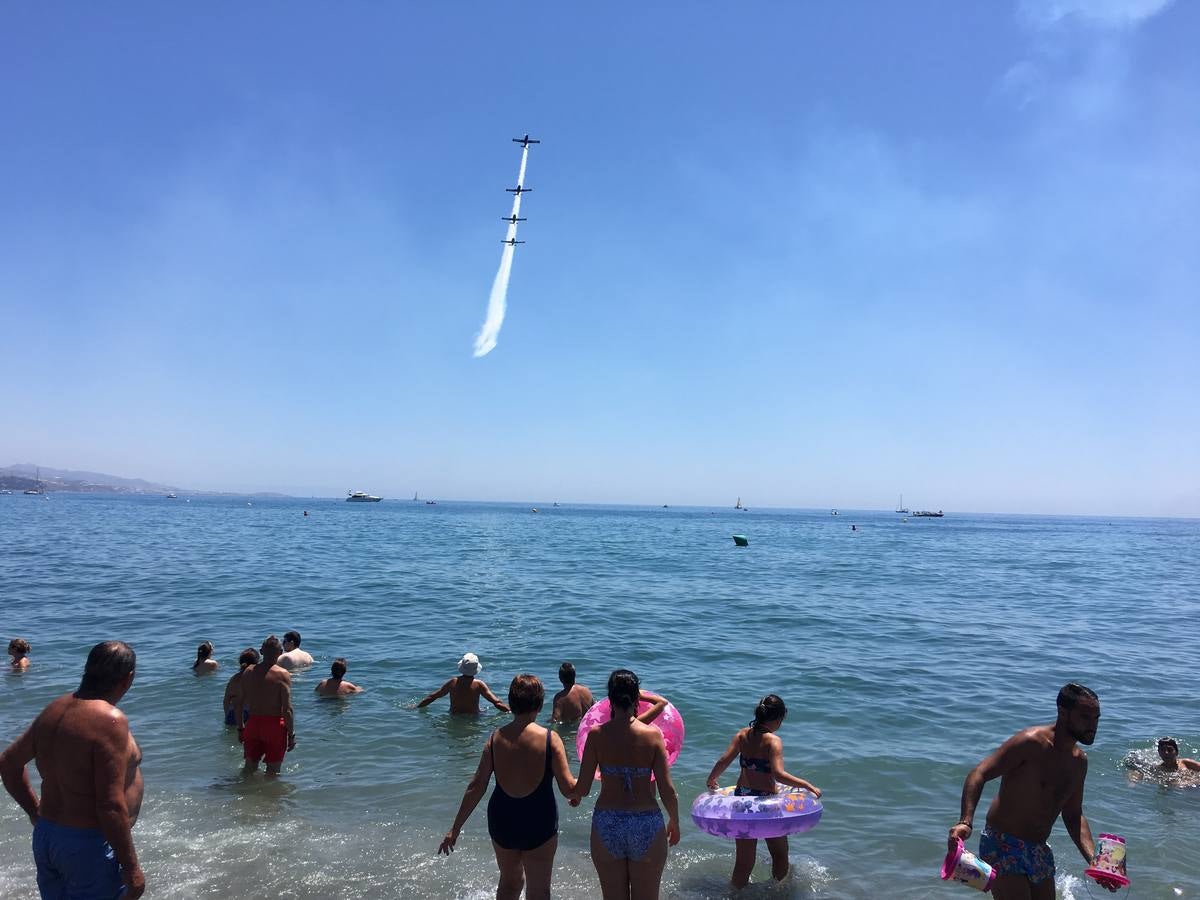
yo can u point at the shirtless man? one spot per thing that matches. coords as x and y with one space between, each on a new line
466 689
91 784
573 700
293 657
1168 752
1041 772
265 690
336 684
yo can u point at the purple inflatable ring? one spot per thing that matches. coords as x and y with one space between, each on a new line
790 811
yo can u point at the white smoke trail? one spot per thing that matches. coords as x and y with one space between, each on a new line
485 341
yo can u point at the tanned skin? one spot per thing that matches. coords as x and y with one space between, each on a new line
266 689
89 763
465 691
571 703
1041 772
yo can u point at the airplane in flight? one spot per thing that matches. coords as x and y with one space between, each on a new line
512 242
518 190
513 220
525 141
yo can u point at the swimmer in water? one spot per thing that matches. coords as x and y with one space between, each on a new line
466 689
19 649
1168 751
205 664
336 684
573 700
759 752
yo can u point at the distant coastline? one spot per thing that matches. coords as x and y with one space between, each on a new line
24 476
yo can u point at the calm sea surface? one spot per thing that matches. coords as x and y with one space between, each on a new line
906 651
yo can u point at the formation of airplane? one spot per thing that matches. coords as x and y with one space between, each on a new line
519 189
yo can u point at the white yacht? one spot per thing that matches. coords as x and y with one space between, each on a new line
361 497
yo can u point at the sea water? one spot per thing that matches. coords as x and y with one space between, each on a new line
905 650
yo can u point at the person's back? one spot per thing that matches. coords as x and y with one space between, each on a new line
293 657
265 690
625 751
336 684
465 690
573 700
19 650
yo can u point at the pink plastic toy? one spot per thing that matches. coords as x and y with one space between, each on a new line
669 722
1109 868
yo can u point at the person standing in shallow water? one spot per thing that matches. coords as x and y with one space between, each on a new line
759 752
573 700
247 658
629 838
1041 772
266 690
91 784
293 657
466 689
522 815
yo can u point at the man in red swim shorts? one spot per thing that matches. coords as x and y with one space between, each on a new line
265 690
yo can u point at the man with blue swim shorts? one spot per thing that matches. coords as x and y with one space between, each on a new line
91 785
1041 772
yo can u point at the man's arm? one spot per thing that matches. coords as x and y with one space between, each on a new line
1190 764
1077 824
285 700
110 762
490 697
440 692
16 779
1007 757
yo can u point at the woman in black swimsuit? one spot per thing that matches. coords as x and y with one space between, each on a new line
522 814
759 752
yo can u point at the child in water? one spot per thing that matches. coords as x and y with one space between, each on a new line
760 754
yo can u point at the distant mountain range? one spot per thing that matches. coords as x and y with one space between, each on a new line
25 475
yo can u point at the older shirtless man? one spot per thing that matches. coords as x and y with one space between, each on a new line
466 689
91 784
1041 772
265 690
573 700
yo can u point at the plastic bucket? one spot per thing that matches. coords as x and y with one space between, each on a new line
1109 866
965 867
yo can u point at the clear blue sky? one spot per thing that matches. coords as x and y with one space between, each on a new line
808 254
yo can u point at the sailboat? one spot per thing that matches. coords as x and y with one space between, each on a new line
900 508
415 497
738 505
40 489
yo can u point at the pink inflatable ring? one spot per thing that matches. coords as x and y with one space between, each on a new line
769 816
669 722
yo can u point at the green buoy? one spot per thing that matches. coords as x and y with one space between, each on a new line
740 540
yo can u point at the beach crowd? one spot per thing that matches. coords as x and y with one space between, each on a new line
92 789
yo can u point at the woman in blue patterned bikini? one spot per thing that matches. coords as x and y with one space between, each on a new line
629 838
760 755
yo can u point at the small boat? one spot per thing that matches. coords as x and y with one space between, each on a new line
361 497
40 489
431 503
740 540
5 491
833 512
533 509
901 508
172 496
415 497
926 514
738 505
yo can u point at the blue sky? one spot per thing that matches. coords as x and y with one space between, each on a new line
808 254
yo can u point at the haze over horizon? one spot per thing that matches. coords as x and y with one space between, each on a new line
812 257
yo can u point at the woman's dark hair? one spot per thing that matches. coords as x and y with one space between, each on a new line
624 689
338 668
249 657
770 709
109 663
203 652
526 694
18 646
